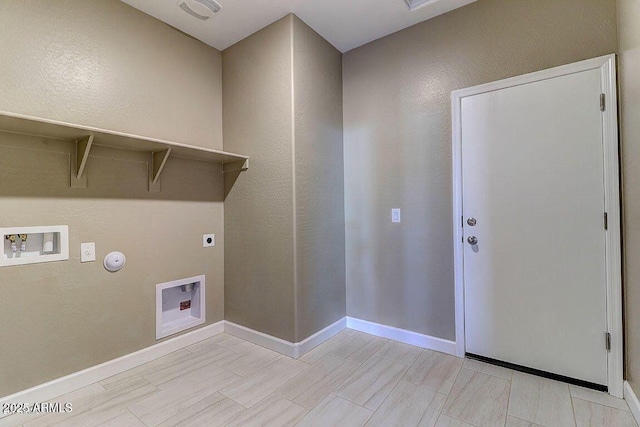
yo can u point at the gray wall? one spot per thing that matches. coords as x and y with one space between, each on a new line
629 63
259 269
107 65
319 182
284 218
397 141
104 64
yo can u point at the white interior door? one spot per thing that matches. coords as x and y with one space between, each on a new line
535 284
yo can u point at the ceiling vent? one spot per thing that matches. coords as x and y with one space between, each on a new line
416 4
201 9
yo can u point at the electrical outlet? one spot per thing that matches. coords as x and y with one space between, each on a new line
87 252
208 240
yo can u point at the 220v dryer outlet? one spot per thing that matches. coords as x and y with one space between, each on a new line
208 240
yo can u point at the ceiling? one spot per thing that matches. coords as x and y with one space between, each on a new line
344 23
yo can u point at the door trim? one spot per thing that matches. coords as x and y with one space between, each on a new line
607 67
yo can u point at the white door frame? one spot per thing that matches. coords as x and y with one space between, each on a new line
607 65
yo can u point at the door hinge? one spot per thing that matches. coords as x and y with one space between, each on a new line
608 341
603 103
606 221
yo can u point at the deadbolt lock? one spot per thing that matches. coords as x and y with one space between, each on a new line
473 240
472 222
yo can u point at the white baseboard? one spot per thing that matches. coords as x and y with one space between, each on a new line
259 338
319 337
632 401
77 380
293 350
296 350
402 335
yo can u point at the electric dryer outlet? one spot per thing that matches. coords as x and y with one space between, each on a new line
208 240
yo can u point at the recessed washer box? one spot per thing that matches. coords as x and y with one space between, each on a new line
32 245
179 305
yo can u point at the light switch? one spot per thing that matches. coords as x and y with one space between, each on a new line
395 215
87 252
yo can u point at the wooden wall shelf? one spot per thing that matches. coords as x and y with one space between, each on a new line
85 137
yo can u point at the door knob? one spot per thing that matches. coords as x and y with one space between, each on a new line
471 222
473 240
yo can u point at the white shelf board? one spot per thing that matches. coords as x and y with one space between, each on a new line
17 123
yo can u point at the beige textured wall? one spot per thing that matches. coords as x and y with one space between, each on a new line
257 117
62 317
104 64
284 218
100 63
319 182
629 62
397 138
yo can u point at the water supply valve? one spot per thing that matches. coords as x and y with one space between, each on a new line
23 242
12 238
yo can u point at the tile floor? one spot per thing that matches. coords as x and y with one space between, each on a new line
354 379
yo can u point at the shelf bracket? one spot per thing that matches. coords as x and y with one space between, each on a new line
79 162
231 172
239 166
158 161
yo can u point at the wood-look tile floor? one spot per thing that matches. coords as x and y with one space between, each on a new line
353 379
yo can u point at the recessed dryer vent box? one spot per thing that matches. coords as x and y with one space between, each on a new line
179 305
31 245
